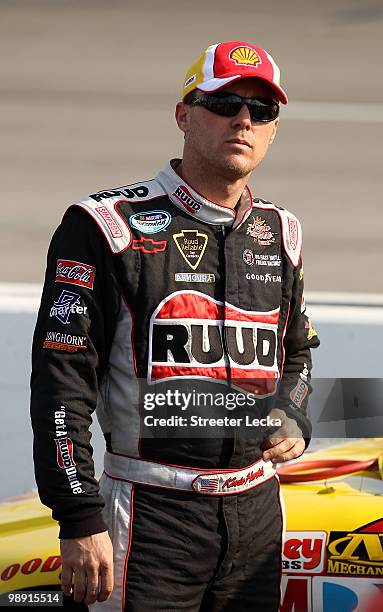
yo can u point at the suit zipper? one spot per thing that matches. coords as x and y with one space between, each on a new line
224 342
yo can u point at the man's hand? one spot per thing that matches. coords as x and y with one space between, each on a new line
283 449
286 443
90 559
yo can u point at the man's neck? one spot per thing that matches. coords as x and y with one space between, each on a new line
214 188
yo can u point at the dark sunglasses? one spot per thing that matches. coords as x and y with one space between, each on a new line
228 105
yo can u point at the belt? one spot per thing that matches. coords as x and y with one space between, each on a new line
202 481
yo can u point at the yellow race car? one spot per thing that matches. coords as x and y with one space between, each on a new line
333 550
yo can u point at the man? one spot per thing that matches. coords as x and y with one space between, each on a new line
154 291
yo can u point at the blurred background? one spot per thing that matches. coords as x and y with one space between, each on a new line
88 90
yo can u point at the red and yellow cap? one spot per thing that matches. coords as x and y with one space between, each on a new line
226 62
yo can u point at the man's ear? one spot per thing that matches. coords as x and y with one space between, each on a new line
182 115
274 132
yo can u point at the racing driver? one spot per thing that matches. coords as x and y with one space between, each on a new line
156 290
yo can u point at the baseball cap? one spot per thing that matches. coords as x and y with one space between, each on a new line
226 62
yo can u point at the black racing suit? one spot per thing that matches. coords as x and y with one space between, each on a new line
151 286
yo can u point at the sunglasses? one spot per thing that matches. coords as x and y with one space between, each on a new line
228 104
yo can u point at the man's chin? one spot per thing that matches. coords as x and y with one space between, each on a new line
237 168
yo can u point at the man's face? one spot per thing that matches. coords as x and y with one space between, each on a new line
229 146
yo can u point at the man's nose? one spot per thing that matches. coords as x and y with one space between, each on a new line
242 118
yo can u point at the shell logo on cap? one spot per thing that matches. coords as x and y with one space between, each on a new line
245 56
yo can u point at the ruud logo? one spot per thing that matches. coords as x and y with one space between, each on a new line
299 393
191 244
124 192
186 339
64 453
184 196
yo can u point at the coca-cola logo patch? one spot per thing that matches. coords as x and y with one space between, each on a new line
75 273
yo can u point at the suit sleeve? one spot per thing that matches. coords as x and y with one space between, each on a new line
300 338
71 346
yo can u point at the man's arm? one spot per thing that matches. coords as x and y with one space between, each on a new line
70 350
294 388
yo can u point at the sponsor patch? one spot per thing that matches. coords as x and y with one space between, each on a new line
68 303
245 56
135 192
299 393
184 196
64 446
304 552
113 226
75 273
264 278
148 245
65 342
267 260
150 222
293 233
356 553
248 257
215 340
192 245
64 452
194 277
260 231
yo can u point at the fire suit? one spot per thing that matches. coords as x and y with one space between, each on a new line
152 286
